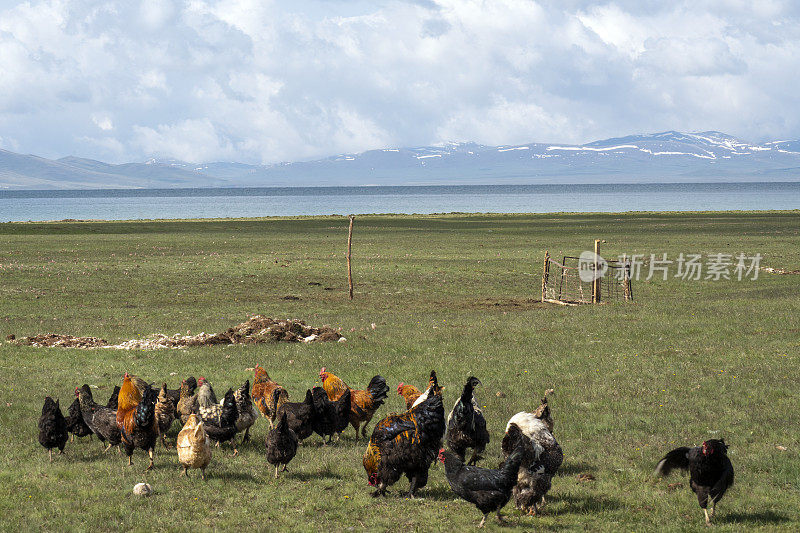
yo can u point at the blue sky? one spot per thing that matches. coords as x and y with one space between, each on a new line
262 81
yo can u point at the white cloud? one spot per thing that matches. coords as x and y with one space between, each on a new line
188 140
265 81
102 121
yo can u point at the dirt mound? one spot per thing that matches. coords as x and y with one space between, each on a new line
64 341
257 329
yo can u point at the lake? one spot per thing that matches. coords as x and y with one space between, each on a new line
130 204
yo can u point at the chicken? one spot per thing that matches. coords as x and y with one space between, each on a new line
543 411
331 417
52 427
262 393
409 393
194 446
405 443
75 424
466 426
363 403
139 383
710 471
542 456
223 427
136 419
101 420
207 405
488 490
175 394
187 400
165 413
112 400
248 414
433 389
300 416
281 444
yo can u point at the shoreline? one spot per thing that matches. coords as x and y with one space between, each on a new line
451 214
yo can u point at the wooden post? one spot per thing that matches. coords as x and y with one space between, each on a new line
545 274
626 280
596 283
349 248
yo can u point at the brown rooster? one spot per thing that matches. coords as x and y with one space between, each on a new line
411 394
262 393
136 419
363 403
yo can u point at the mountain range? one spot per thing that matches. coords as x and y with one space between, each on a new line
664 157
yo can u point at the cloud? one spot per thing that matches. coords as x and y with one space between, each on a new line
275 80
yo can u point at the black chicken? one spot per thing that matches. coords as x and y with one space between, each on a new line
710 471
331 417
112 400
405 443
75 424
101 420
224 429
299 415
466 426
489 490
281 444
52 427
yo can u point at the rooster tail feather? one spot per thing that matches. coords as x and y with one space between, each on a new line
677 458
378 389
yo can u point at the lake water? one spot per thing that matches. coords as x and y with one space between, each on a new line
289 201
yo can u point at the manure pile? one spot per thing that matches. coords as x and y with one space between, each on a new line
257 329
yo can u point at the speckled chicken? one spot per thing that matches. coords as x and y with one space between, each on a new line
223 427
207 405
165 413
248 414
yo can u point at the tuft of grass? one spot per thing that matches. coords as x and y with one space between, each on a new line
689 360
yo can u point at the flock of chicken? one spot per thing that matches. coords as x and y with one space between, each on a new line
404 443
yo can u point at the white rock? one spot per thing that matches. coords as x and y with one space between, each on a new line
142 489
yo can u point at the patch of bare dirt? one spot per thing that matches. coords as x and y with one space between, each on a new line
505 304
63 341
257 329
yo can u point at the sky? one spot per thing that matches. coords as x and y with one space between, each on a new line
261 81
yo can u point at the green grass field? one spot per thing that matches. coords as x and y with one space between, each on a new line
690 360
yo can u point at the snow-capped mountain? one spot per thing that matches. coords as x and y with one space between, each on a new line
661 157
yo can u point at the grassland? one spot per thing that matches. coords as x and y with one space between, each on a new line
689 360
